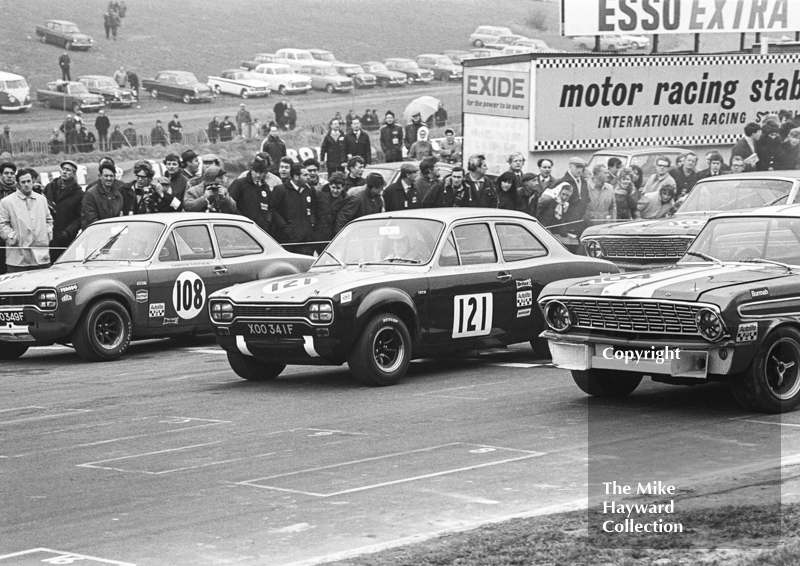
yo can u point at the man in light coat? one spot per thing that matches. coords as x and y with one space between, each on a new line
26 225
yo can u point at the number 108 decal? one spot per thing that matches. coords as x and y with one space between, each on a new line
188 295
472 315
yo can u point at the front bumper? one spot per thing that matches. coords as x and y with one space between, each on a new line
16 107
420 79
46 327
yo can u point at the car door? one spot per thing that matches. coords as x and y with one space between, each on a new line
469 291
240 252
185 272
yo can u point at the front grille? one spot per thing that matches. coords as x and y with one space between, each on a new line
269 311
300 84
18 301
126 96
634 316
644 247
346 84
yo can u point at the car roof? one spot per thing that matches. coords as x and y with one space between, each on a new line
372 63
449 215
5 76
636 150
750 175
292 50
318 50
432 55
320 64
273 66
62 22
236 70
96 77
781 211
397 59
170 218
493 27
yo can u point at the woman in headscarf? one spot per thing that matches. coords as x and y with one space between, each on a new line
421 148
552 206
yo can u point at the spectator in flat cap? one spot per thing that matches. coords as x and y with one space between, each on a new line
65 197
402 194
190 162
210 195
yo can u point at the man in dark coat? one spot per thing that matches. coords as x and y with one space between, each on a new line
428 176
768 147
579 201
357 143
368 201
686 175
253 196
178 182
226 129
402 194
478 190
298 210
443 194
440 116
275 147
102 124
175 130
106 198
190 163
133 80
158 136
746 146
412 129
213 130
65 197
280 114
330 199
332 151
64 62
391 139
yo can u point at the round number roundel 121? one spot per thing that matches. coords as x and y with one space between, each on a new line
188 295
472 315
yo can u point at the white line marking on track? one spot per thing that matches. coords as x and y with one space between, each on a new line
207 351
44 417
20 408
771 423
518 365
65 557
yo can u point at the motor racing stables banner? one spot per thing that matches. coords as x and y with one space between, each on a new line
609 17
594 102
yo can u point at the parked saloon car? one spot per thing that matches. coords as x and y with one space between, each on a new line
441 66
325 77
385 77
504 41
607 42
391 171
645 244
282 78
727 312
239 83
113 94
65 34
135 277
181 85
262 58
412 71
15 94
360 78
322 55
71 96
457 56
487 34
392 287
643 157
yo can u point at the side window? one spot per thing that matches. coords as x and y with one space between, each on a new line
475 245
193 243
449 255
169 252
236 242
517 243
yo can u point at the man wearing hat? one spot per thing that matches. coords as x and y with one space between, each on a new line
244 121
159 198
391 139
579 201
253 196
412 129
402 194
102 124
210 195
64 197
191 164
768 147
207 160
368 201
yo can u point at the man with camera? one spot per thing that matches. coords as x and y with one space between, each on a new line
210 195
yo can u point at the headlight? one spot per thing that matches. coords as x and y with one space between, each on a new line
11 99
46 300
593 248
221 312
709 325
196 90
558 316
85 101
320 312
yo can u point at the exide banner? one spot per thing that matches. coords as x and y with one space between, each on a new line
497 92
609 17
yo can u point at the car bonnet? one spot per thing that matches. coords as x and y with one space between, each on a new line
685 224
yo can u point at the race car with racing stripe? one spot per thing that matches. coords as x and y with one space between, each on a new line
728 311
396 286
144 276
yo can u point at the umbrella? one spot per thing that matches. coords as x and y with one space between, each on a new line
425 105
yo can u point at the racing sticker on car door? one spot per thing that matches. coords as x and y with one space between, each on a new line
472 315
188 295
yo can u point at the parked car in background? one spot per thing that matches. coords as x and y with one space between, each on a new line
636 41
296 58
644 157
398 286
324 77
458 55
391 171
504 41
487 34
239 83
281 78
180 85
15 94
441 66
64 34
517 49
114 95
322 55
655 243
607 42
536 44
262 58
385 76
483 52
410 68
360 78
66 95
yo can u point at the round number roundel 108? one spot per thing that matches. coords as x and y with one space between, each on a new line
188 295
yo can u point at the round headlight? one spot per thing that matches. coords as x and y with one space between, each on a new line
593 248
709 325
558 316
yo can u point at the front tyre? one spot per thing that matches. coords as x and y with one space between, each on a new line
771 383
606 383
12 350
187 99
253 369
382 353
103 333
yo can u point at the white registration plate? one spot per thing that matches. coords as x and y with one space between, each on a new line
12 316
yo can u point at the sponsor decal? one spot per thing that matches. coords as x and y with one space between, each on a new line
188 295
68 289
65 298
290 285
171 321
759 292
156 310
141 282
523 283
747 332
472 315
346 297
11 276
142 295
523 312
524 298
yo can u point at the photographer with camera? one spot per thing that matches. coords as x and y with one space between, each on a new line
210 195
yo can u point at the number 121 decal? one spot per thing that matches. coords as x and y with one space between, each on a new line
472 315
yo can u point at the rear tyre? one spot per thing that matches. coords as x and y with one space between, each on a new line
76 107
154 93
43 39
771 383
187 99
217 90
382 353
282 90
477 43
12 350
103 333
329 89
244 93
68 45
253 369
383 82
605 383
445 77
